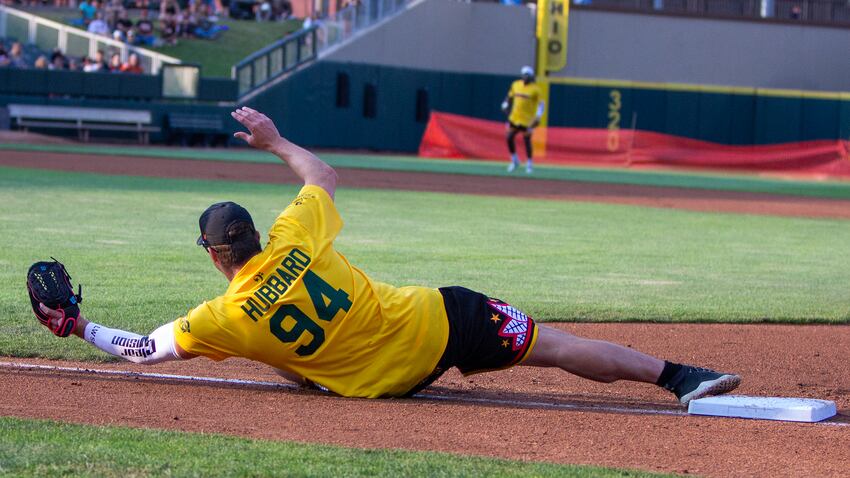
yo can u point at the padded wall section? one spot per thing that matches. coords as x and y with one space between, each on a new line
307 107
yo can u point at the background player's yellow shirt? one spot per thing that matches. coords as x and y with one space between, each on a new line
526 98
301 307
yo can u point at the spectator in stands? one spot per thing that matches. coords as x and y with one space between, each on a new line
311 21
132 65
40 63
87 13
112 12
73 64
100 61
90 66
168 21
144 30
169 7
115 63
206 27
281 9
122 27
98 26
263 10
187 21
218 8
57 60
16 56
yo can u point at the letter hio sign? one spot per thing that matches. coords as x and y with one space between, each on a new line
552 32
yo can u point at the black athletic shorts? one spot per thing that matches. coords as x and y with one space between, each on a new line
518 127
485 334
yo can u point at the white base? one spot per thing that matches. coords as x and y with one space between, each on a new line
764 408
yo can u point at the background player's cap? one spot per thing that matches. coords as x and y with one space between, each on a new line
527 70
217 220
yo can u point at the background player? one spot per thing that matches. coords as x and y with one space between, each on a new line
524 109
301 307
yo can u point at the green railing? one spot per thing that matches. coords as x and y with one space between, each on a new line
279 58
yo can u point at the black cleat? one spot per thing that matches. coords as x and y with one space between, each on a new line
691 383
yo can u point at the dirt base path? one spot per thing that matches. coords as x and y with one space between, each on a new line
520 413
525 413
519 186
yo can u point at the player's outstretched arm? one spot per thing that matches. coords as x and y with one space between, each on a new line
264 135
157 347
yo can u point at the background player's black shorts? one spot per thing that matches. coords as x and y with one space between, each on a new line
484 334
518 127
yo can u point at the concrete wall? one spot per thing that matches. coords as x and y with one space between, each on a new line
718 52
446 35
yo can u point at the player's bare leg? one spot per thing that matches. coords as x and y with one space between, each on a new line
592 359
607 362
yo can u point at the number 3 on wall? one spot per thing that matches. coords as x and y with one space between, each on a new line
318 289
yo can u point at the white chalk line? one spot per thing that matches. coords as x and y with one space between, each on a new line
423 396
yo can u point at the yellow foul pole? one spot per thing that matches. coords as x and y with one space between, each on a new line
552 21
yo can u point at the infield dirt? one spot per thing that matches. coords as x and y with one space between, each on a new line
777 360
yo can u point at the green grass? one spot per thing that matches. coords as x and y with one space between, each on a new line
216 57
243 38
130 242
660 178
45 448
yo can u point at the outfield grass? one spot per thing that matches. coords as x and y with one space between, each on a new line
45 448
130 242
661 178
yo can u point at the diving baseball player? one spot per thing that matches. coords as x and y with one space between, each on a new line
299 306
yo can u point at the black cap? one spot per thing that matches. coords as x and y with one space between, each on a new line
217 220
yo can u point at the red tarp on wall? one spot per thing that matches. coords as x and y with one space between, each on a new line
454 136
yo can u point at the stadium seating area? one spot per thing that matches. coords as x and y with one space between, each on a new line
150 24
16 54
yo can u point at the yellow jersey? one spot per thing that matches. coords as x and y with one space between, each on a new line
301 307
526 99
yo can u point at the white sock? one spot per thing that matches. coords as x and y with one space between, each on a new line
514 159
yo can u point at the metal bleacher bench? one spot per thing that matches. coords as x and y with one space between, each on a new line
84 119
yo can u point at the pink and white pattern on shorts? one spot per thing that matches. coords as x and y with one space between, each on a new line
516 327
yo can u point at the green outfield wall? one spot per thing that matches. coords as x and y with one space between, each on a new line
358 106
372 107
125 91
111 86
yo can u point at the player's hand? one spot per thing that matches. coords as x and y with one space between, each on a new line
264 134
56 318
505 106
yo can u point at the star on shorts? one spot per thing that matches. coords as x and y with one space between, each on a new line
505 344
496 318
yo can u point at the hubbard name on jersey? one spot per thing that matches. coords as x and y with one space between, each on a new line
287 305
